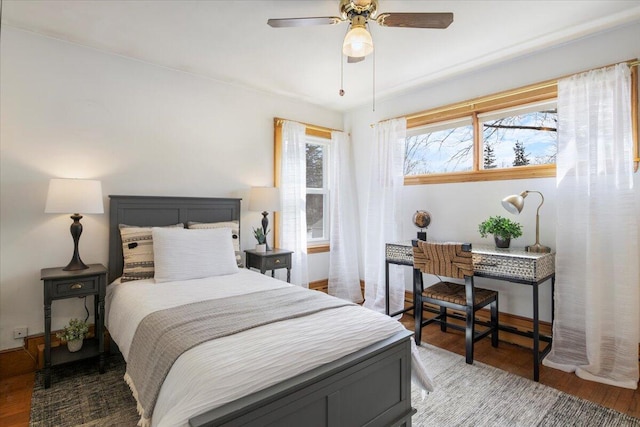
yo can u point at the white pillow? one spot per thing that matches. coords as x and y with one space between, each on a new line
181 254
235 233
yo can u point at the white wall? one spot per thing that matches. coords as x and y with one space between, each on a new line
458 208
71 111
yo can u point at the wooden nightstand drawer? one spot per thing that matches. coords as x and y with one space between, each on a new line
66 288
281 261
270 260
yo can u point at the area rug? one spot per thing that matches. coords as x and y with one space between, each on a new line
465 395
481 395
80 396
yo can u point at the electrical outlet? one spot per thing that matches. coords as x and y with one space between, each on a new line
20 332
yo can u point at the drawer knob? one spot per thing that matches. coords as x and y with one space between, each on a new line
76 286
277 261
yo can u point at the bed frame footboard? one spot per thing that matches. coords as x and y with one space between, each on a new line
371 387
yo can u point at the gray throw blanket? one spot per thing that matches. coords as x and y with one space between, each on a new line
162 336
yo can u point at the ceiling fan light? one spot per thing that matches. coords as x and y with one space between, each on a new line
357 43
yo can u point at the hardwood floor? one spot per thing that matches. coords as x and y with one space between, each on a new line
15 392
15 400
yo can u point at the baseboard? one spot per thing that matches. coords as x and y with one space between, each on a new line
320 285
16 361
323 286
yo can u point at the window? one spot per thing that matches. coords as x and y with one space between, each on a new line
505 136
522 136
509 135
318 152
439 148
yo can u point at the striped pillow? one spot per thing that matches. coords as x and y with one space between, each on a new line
235 234
137 251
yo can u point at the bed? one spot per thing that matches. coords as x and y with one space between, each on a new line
290 372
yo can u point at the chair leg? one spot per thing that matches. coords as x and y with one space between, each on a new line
494 323
443 319
418 286
417 317
469 335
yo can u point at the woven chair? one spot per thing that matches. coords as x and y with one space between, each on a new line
452 260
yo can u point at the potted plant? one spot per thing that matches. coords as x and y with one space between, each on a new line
261 237
503 230
74 334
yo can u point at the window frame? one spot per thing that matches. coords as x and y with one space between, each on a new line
324 190
541 92
310 131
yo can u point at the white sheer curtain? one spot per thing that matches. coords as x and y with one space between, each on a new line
293 210
597 326
386 180
344 278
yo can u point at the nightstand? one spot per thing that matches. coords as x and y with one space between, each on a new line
270 260
60 284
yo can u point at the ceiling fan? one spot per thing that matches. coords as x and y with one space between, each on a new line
358 42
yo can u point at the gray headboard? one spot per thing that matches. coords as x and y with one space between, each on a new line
158 211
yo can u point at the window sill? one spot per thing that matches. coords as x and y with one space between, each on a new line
527 172
316 249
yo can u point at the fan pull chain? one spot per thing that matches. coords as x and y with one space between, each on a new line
374 80
341 91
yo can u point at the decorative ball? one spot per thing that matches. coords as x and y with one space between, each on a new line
422 219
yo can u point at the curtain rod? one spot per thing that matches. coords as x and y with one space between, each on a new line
537 86
279 122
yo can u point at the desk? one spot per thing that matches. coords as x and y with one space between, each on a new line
511 265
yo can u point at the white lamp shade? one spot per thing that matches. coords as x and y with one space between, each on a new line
357 43
264 199
74 196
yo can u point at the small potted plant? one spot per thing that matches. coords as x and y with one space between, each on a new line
74 334
261 237
503 230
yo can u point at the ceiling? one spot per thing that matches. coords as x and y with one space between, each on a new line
230 41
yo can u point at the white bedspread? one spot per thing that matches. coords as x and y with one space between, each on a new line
228 368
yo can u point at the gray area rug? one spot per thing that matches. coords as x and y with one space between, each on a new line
481 395
80 396
465 395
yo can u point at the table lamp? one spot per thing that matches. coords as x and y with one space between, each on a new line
514 204
265 199
75 195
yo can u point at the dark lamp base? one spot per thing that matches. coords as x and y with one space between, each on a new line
76 264
76 230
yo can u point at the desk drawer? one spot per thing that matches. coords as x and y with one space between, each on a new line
531 268
280 261
66 288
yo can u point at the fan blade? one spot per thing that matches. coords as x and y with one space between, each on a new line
415 20
353 59
304 22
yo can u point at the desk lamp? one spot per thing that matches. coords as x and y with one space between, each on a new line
514 204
